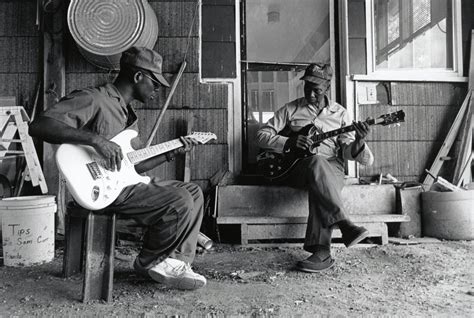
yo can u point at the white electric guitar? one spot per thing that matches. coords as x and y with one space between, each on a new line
95 187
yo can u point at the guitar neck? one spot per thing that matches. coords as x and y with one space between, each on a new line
339 131
153 151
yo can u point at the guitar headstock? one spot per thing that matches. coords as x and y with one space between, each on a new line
203 137
391 118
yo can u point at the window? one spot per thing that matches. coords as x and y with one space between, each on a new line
280 38
414 36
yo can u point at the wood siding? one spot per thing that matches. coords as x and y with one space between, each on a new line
19 50
406 150
19 59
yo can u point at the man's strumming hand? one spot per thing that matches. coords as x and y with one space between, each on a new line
298 142
110 151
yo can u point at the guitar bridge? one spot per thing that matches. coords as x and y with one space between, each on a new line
94 170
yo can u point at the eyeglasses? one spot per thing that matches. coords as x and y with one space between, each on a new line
156 84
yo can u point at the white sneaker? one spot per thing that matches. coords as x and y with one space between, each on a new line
176 274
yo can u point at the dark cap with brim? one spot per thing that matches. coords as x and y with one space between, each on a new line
314 79
160 78
147 59
318 73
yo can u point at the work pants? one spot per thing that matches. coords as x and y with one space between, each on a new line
171 211
324 181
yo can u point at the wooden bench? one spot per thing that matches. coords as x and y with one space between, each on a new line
259 229
266 213
89 248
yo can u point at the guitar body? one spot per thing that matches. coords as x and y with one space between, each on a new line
275 166
91 185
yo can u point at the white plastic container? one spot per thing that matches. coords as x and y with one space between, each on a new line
28 230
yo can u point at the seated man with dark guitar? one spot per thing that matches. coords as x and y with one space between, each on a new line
171 211
318 167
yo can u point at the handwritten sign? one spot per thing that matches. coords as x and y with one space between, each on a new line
28 242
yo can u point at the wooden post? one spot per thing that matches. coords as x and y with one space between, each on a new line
465 148
99 258
464 157
448 142
165 106
54 79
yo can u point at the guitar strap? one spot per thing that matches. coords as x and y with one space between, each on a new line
286 131
132 118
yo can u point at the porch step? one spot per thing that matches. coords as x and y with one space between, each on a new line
279 201
256 229
279 213
357 218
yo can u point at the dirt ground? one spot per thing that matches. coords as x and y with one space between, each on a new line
433 279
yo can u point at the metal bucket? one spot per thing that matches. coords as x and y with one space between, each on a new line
448 215
103 29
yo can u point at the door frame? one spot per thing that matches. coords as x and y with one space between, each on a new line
236 124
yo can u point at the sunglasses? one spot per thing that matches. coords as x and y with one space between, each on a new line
156 84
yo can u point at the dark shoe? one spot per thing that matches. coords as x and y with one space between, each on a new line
354 235
314 264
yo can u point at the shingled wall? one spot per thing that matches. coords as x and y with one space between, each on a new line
19 58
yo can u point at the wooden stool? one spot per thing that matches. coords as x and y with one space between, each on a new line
89 248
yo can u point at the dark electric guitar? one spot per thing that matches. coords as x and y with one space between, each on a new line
274 165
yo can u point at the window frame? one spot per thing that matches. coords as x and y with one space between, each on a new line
425 74
246 66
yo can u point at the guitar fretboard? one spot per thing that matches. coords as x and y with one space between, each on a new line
336 132
149 152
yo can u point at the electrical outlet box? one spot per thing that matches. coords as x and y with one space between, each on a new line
371 94
367 93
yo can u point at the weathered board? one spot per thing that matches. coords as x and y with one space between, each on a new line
256 233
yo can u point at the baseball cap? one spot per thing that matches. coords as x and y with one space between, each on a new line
318 73
146 59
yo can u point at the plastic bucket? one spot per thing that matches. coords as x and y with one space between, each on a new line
102 29
28 230
448 215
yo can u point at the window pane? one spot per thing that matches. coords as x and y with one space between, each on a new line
264 98
267 100
415 34
267 77
287 31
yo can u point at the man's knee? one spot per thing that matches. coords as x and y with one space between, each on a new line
197 195
318 161
196 192
317 165
184 202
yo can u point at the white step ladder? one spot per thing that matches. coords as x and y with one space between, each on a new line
13 119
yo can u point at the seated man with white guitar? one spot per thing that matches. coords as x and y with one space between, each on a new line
315 166
104 174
